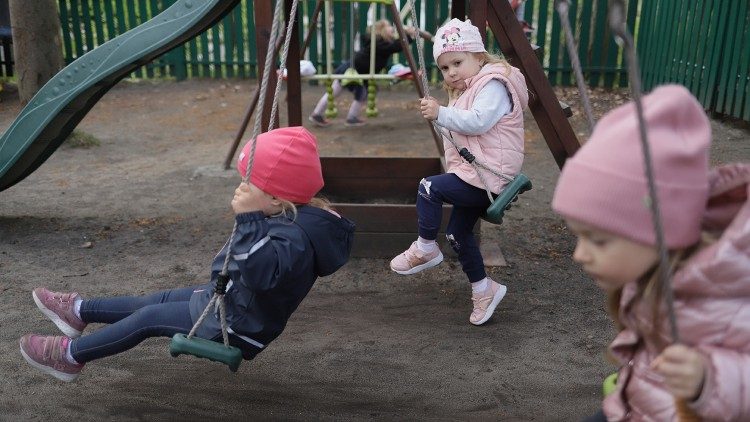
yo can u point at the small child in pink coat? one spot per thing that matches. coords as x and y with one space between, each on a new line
484 114
602 193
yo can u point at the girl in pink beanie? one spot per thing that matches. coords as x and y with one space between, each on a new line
485 115
285 239
602 193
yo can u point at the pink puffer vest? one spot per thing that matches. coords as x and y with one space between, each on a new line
712 306
500 148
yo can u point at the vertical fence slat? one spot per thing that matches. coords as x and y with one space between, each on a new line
75 15
743 86
66 30
698 44
731 61
717 46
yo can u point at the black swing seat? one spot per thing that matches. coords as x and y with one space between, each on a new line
503 202
202 348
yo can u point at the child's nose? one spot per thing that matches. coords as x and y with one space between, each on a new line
580 255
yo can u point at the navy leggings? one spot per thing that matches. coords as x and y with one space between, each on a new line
131 320
469 202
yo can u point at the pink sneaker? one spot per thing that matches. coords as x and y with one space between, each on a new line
59 307
47 353
485 302
413 260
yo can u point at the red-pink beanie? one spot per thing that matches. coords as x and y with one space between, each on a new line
286 164
604 184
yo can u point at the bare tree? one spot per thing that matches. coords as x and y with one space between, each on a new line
37 44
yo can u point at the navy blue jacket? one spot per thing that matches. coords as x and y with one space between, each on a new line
273 266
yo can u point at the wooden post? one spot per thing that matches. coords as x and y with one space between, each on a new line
263 17
544 105
458 9
293 80
478 16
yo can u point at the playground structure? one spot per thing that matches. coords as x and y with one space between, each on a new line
63 102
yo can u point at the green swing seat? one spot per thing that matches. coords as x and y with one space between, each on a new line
207 349
503 202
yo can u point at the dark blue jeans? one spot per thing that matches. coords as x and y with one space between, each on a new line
469 202
131 320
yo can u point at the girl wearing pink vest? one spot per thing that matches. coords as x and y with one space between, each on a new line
602 193
484 114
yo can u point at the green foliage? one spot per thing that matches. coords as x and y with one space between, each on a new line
81 139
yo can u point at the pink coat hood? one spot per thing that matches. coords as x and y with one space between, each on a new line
501 147
712 306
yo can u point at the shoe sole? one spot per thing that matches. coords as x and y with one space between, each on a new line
495 301
62 376
66 328
429 264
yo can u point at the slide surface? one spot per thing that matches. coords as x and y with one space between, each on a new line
64 100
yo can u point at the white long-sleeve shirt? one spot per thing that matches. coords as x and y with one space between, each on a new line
491 104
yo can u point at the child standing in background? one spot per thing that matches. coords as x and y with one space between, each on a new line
285 239
603 195
485 114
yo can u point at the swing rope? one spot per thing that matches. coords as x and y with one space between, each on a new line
624 38
217 300
562 8
464 152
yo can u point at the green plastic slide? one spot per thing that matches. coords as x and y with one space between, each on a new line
63 102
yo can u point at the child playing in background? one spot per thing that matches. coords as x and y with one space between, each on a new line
603 195
386 45
485 114
285 239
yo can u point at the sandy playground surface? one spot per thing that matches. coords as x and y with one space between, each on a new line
365 344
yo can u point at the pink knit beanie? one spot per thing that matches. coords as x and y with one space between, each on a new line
457 35
604 184
286 164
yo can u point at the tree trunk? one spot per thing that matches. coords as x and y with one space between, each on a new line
37 45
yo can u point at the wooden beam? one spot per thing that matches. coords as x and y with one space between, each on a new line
263 18
478 15
458 9
293 80
543 104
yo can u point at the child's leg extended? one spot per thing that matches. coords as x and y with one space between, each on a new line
156 320
113 309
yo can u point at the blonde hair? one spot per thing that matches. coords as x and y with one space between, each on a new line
650 290
484 58
289 208
383 29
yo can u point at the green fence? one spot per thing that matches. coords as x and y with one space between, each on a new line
228 49
702 44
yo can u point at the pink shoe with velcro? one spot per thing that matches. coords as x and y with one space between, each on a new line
414 260
47 353
59 307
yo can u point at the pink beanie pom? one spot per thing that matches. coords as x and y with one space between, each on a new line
604 184
457 35
286 164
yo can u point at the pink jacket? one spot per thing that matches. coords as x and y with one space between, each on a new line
500 148
712 306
